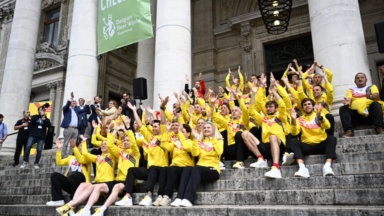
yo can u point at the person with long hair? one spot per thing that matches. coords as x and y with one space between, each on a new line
208 147
109 112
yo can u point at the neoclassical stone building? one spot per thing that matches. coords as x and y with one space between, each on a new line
48 48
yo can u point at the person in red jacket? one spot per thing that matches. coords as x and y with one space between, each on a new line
199 85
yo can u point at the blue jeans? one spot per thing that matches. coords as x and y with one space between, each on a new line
30 142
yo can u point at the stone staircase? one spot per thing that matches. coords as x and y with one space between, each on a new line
356 189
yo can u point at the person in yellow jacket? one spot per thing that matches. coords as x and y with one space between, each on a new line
105 168
359 96
239 122
181 149
208 147
157 159
238 84
272 143
314 139
128 157
78 171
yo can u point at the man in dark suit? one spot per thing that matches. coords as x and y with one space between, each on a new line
381 71
93 116
82 115
126 111
70 123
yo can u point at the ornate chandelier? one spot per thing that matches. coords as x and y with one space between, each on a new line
276 14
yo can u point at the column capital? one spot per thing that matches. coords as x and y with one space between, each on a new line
59 84
6 12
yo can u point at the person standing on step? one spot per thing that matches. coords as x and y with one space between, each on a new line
70 124
37 134
208 147
22 136
82 111
356 108
314 139
126 110
157 159
78 171
3 131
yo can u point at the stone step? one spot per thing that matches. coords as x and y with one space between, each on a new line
358 144
242 184
223 210
365 132
320 159
373 196
287 171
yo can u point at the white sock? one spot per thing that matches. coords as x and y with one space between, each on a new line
103 208
70 204
301 165
87 208
328 164
128 197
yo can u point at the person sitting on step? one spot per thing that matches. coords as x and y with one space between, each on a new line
359 96
314 139
157 159
77 172
128 156
208 147
105 168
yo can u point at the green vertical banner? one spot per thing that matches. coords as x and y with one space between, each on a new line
123 22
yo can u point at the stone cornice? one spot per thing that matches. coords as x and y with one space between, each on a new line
118 75
205 70
205 50
123 57
57 82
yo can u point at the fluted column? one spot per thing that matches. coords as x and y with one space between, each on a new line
17 80
146 59
52 97
173 48
338 43
58 107
82 68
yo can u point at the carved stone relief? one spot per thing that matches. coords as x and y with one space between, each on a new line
6 12
47 3
246 44
43 64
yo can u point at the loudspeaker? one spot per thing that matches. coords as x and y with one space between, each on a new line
379 28
49 138
140 88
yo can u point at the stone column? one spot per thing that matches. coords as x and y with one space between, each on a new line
82 68
338 43
17 80
6 18
146 60
173 48
52 97
58 107
102 72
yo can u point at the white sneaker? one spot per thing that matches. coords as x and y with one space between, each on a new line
222 166
260 164
55 203
238 165
126 201
165 201
71 213
158 200
327 171
98 212
25 164
185 203
273 173
147 201
303 172
288 159
176 203
36 166
83 212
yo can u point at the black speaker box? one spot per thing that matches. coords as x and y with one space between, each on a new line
379 28
140 88
49 138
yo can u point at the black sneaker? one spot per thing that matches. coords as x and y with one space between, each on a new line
15 164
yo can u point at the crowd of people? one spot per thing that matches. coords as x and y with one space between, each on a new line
284 119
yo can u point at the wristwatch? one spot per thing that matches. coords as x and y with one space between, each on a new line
300 78
321 119
162 108
321 66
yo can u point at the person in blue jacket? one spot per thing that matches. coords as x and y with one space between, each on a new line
82 111
38 130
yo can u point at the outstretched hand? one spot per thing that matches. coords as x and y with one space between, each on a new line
59 144
293 113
